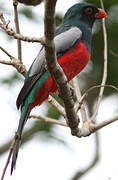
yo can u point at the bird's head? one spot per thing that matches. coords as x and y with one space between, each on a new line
85 13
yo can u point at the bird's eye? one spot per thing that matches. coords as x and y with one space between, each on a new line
88 11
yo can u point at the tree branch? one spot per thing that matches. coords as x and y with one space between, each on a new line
6 52
113 53
91 89
6 62
16 20
9 156
78 95
56 105
105 68
30 2
14 62
47 119
91 128
104 123
10 32
55 69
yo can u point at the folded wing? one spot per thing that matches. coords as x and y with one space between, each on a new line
66 38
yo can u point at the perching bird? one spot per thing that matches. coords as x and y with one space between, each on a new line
73 50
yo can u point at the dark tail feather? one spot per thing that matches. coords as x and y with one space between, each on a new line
24 115
15 154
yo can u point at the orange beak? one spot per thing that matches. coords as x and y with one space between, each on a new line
101 14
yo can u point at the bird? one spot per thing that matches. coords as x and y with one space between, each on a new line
73 49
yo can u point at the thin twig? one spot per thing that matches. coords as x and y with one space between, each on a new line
18 65
105 68
5 62
98 86
83 97
16 20
56 105
47 119
9 156
114 53
14 62
78 95
104 123
94 87
90 128
6 52
86 130
10 32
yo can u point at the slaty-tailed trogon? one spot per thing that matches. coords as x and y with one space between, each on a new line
73 49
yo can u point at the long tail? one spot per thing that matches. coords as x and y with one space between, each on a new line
24 115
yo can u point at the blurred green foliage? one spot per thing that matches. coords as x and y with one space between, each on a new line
10 81
107 4
28 13
58 19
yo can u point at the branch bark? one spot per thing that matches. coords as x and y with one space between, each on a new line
78 95
56 105
30 2
10 32
54 68
14 62
16 20
47 119
92 119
